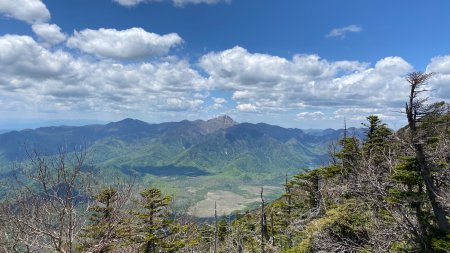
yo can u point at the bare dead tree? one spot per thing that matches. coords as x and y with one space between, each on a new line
44 204
264 232
288 197
215 226
416 109
332 150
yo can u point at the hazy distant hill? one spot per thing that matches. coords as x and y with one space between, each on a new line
4 131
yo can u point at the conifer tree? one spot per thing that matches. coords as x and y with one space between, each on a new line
349 154
103 231
310 182
222 228
377 135
409 192
154 226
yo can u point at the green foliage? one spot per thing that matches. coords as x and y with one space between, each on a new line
222 228
170 155
374 189
305 246
347 222
154 225
104 229
401 247
309 182
349 153
378 134
379 139
329 171
441 243
409 183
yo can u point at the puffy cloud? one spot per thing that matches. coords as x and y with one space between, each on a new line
342 32
219 100
237 68
274 83
246 108
178 3
262 83
383 85
356 110
440 82
22 56
218 103
132 43
241 94
360 114
50 33
440 64
311 115
34 78
180 104
30 11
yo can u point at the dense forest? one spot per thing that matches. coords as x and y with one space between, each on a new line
389 192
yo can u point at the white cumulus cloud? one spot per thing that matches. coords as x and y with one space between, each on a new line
34 78
246 108
268 84
30 11
180 104
440 82
133 43
311 115
440 64
275 83
219 100
49 33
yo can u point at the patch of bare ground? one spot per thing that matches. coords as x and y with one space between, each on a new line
227 201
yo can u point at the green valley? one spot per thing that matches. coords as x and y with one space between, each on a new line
191 160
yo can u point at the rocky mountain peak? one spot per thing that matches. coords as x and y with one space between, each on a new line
223 119
217 123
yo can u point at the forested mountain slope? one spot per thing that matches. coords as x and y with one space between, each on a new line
214 145
192 160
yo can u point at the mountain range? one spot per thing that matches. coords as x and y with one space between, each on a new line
217 154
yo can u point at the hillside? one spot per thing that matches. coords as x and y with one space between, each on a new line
217 154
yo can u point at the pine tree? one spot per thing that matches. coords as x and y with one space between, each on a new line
222 228
309 181
409 192
349 154
378 135
154 228
103 231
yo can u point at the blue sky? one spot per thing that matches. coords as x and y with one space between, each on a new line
304 64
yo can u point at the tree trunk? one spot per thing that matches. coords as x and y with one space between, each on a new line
438 209
215 227
417 79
